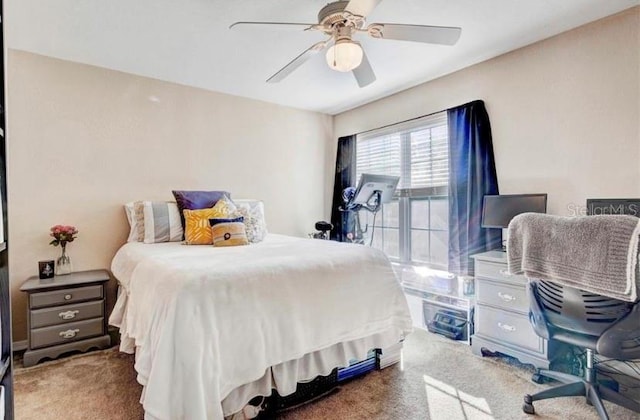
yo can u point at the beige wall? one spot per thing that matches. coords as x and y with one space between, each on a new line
564 112
84 140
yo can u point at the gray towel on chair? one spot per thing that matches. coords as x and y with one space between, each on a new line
597 254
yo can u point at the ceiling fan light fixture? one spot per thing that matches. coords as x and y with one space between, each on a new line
345 55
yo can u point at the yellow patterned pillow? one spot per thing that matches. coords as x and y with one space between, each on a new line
225 206
196 222
228 232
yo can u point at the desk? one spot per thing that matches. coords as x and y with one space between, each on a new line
502 313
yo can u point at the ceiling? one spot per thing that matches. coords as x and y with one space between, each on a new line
188 41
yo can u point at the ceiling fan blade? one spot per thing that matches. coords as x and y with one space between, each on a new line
298 61
361 7
364 72
274 25
444 35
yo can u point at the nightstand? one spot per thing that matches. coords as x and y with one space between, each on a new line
66 313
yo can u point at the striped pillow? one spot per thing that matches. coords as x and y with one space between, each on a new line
161 222
228 232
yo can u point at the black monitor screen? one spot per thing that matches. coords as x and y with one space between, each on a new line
629 206
498 210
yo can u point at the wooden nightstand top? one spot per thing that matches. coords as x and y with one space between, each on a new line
74 279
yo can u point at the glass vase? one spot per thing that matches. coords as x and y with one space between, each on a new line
63 264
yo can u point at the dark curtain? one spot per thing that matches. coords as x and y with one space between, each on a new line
343 222
472 175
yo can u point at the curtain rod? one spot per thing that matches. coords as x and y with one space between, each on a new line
415 118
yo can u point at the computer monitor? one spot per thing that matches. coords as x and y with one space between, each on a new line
628 206
498 210
370 183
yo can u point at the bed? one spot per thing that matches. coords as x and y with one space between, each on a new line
212 327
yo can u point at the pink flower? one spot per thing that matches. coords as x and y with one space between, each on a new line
62 234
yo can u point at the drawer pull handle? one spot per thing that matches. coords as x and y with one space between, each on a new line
69 333
68 297
506 297
505 273
506 327
68 314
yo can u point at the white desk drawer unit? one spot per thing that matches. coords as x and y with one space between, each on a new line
66 313
502 313
493 270
508 328
507 296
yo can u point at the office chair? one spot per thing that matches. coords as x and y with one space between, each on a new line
600 325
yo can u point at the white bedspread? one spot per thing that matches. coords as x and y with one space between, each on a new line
206 320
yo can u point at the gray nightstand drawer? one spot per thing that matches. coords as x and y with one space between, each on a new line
508 328
73 331
66 314
65 296
501 295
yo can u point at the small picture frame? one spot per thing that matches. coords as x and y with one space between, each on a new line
46 269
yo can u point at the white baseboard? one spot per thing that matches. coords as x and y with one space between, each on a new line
20 345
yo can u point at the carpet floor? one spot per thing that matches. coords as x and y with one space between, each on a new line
439 380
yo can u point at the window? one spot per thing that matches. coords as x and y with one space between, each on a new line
413 228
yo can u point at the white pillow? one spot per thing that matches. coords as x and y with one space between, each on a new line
254 221
161 222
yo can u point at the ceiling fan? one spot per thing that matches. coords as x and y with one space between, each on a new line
341 20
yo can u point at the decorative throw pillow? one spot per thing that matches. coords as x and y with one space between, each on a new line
196 200
253 213
226 206
136 231
197 229
161 222
228 232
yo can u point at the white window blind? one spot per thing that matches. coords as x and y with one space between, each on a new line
378 155
429 157
417 151
413 228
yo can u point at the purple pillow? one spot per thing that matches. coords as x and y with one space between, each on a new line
196 200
